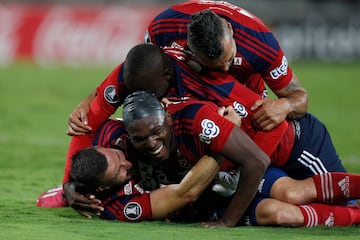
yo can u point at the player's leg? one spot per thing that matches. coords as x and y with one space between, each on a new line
314 152
276 213
332 187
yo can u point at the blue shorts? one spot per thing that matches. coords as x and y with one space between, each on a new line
313 152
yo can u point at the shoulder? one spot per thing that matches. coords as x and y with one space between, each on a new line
128 202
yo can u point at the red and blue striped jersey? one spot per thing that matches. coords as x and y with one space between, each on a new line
259 56
127 202
222 89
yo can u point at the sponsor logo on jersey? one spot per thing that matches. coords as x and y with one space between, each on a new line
209 130
237 61
344 186
128 188
281 70
240 109
132 211
110 94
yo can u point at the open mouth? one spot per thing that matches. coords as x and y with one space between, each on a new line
156 151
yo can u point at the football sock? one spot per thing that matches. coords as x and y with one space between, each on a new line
336 187
329 215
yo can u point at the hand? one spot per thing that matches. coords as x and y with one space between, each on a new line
84 205
230 114
78 121
270 112
218 223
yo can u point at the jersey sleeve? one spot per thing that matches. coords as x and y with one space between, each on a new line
211 129
128 204
110 94
279 74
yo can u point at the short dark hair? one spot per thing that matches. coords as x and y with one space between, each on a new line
205 32
140 104
140 58
88 167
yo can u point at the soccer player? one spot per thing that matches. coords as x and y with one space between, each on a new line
107 173
193 127
149 129
220 36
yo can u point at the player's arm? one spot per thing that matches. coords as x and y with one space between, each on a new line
292 103
78 120
172 197
102 101
240 149
295 96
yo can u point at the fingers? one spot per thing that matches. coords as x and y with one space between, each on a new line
78 124
257 104
221 111
213 224
84 214
165 102
77 130
88 207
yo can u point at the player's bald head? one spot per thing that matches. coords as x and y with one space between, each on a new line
144 67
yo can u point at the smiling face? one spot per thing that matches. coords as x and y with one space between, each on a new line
119 170
152 136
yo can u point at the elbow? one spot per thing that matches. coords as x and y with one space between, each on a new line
264 162
192 196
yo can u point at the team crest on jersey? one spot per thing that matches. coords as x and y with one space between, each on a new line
132 211
240 109
281 70
209 130
110 94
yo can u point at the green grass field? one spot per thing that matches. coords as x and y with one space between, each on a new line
34 106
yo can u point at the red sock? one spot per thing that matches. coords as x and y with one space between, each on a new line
329 215
335 187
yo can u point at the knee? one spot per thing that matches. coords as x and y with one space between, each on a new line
271 212
293 197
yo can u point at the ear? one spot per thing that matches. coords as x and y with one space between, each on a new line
168 118
229 26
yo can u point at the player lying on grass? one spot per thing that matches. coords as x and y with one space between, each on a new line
106 173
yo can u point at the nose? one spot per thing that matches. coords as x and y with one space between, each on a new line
150 142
